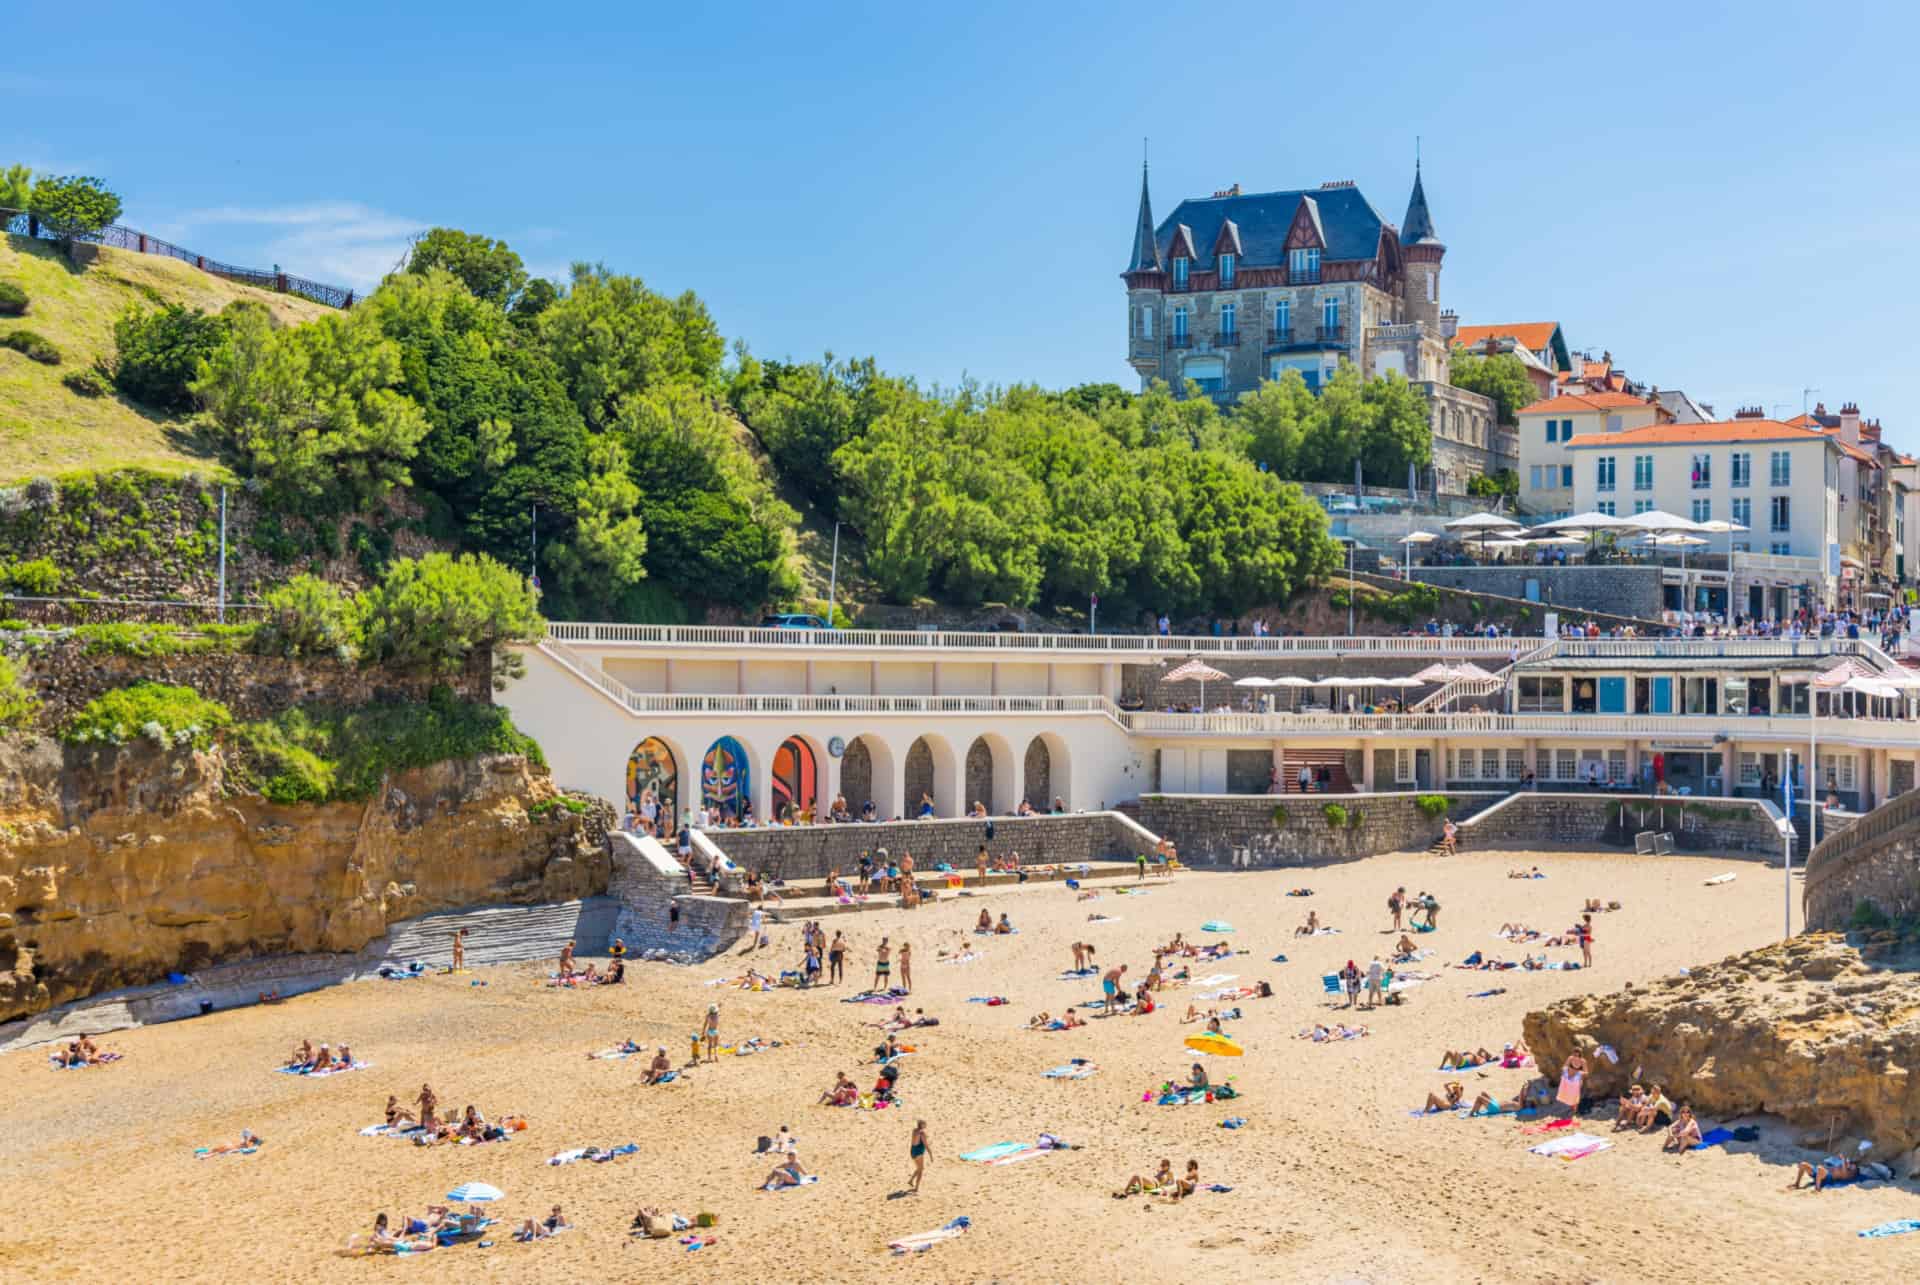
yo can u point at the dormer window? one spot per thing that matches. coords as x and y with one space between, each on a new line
1226 271
1303 266
1181 265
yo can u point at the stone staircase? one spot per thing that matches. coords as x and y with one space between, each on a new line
646 881
498 934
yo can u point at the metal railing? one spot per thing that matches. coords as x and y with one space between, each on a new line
1150 645
139 242
1333 334
1180 340
1227 339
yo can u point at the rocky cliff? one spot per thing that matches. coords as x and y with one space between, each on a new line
117 866
1817 1031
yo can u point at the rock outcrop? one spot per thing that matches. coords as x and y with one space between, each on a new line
1815 1030
118 866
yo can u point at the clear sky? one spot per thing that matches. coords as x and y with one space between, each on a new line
1725 196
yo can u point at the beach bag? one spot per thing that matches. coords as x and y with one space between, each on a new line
705 1220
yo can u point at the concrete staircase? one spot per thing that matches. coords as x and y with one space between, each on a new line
498 934
1333 760
647 880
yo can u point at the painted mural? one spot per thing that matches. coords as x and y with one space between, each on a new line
796 775
651 772
725 784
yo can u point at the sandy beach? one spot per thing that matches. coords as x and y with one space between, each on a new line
1331 1178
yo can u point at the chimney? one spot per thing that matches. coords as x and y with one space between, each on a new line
1750 412
1850 424
1449 324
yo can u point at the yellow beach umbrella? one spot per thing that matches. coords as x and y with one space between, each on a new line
1218 1045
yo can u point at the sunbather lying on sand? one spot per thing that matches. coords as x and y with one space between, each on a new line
1321 1034
543 1228
1466 1059
248 1141
1195 1015
385 1241
1136 1185
1039 1021
1454 1091
1518 932
1524 874
655 1224
396 1114
1832 1169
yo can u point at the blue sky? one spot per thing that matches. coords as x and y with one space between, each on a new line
1726 197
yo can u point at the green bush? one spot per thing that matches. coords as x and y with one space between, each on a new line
1433 806
156 354
1355 818
312 754
1335 814
163 714
1280 814
430 614
1867 917
39 578
87 383
308 616
33 345
17 701
560 803
13 300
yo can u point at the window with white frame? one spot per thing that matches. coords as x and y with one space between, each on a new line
1226 271
1642 506
1749 768
1489 765
1604 472
1304 265
1468 767
1566 765
1282 317
1780 549
1146 321
1181 267
1780 469
1330 313
1702 473
1780 513
1703 510
1616 766
1229 315
1179 323
1403 766
1743 510
1837 771
1740 468
1643 472
1606 507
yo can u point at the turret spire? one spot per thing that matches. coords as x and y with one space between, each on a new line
1146 251
1418 225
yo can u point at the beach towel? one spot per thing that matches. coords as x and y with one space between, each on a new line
1713 1138
332 1070
1498 990
204 1153
1725 878
1571 1147
612 1055
993 1001
1075 973
1078 1070
1216 926
966 957
58 1065
1279 959
1324 932
1026 1153
1459 1111
807 1181
923 1241
1898 1227
1549 1127
1569 1094
983 1154
1214 979
876 997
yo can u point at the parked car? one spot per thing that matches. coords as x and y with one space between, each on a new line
794 620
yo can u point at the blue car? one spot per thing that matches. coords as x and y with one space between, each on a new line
793 621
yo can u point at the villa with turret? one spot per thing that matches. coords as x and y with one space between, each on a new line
1241 287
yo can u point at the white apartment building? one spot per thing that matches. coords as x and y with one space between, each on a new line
1547 427
1779 481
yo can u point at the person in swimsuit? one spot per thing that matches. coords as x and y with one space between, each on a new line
659 1067
882 965
788 1174
566 961
427 1102
842 1094
1136 1185
1685 1133
1454 1090
836 958
711 1033
397 1114
1110 985
1188 1184
984 924
459 950
906 966
917 1152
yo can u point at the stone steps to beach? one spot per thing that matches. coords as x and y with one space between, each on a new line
500 934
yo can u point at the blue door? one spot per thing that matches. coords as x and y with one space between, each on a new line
1662 696
1613 696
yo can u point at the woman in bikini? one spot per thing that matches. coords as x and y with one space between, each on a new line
788 1174
427 1102
566 961
396 1114
1188 1184
1454 1090
917 1152
984 924
710 1033
883 964
1136 1185
906 966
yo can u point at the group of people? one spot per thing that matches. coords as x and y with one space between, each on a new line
430 1128
568 974
1421 903
84 1052
309 1061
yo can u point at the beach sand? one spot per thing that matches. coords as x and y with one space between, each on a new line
1331 1178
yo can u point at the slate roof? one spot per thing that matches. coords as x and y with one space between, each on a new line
1349 224
1419 224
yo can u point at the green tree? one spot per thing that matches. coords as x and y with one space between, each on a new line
313 411
487 267
1398 429
431 614
157 354
804 413
1505 482
72 206
1501 377
611 337
308 616
1275 417
609 541
16 187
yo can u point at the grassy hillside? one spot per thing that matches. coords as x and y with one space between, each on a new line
45 428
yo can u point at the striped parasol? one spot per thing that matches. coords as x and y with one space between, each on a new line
1195 670
474 1193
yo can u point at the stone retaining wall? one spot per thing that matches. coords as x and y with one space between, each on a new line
1223 830
1883 871
647 880
809 852
1614 590
1546 820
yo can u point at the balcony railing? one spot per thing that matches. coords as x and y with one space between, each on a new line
1333 334
1277 337
1227 339
1303 277
1179 341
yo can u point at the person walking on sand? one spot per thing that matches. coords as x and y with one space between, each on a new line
1586 941
1375 971
756 929
836 958
1397 905
917 1152
711 1033
882 965
459 950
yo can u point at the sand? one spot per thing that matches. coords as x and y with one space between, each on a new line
1332 1180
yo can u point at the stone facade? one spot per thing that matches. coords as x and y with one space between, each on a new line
1618 591
1876 859
647 880
1584 821
809 852
1229 830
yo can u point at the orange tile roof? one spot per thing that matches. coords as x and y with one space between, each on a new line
1534 335
1595 369
1847 448
1730 430
1575 403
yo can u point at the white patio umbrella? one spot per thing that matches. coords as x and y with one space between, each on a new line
1254 681
1195 671
1412 538
1660 520
1408 680
1293 680
1483 525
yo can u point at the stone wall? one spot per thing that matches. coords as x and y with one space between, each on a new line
65 673
647 880
1545 820
1875 859
1222 830
809 852
1619 591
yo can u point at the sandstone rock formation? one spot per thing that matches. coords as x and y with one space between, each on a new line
1815 1030
117 866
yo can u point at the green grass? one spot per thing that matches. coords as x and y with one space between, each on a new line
157 712
46 427
312 754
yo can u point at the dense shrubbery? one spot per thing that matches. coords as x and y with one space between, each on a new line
1433 806
17 701
37 577
13 300
33 345
87 383
165 715
316 755
429 615
157 354
307 616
